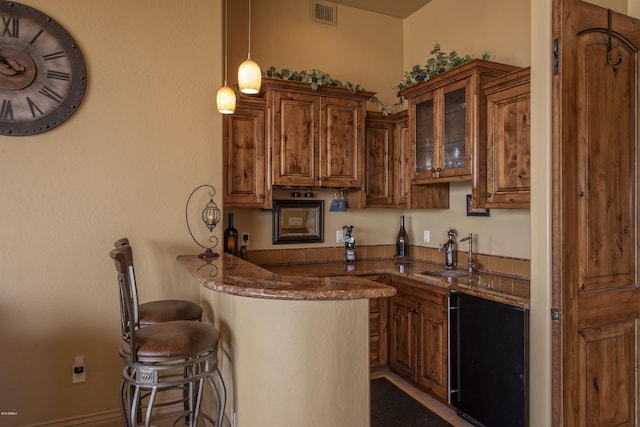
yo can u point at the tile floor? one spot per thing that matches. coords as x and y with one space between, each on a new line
445 412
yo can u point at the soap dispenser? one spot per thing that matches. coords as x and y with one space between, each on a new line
349 244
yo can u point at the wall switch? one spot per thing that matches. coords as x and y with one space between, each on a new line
78 370
426 236
339 236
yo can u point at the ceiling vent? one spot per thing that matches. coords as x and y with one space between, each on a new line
324 12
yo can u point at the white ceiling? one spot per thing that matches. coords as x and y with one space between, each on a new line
396 8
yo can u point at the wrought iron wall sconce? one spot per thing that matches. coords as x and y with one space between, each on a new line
210 216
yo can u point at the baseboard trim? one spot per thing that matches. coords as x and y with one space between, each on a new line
100 419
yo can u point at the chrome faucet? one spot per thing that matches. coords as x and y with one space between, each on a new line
471 266
448 248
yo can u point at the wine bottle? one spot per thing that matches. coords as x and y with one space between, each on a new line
231 238
402 240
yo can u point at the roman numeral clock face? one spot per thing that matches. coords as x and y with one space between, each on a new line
43 77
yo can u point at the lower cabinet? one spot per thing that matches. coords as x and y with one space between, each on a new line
418 329
378 342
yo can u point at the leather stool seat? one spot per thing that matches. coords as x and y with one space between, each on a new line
178 339
167 310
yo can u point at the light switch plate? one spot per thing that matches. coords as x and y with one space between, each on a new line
426 236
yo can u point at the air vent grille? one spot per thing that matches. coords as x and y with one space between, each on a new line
324 12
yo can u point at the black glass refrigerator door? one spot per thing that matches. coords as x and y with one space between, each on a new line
488 361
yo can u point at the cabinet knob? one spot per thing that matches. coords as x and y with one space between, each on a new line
488 194
439 169
433 170
260 196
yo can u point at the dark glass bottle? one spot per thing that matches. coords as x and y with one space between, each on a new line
231 238
402 240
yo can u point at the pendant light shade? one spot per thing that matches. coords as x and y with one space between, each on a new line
249 73
249 77
226 100
226 97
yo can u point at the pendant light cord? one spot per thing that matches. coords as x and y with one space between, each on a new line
249 49
226 37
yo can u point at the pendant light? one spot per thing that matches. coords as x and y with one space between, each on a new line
249 73
226 97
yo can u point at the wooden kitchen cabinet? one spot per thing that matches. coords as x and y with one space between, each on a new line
246 156
508 178
378 336
387 182
447 116
317 137
418 331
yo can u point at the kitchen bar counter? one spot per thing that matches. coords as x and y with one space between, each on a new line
242 278
339 281
294 350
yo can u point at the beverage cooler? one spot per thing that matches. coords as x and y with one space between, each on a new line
488 365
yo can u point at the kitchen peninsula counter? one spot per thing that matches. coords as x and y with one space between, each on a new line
234 276
294 350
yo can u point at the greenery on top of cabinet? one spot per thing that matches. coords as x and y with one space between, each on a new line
437 64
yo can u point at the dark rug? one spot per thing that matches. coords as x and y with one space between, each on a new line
392 407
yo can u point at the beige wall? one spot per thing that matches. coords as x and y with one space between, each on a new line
374 50
146 134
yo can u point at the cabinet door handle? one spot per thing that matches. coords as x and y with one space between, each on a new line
433 170
439 169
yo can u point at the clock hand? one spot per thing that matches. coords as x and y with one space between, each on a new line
8 68
4 63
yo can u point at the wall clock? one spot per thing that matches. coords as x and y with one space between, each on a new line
43 76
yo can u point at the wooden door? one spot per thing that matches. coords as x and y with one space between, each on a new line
378 343
508 174
402 337
432 350
595 210
341 143
295 139
402 162
379 166
244 150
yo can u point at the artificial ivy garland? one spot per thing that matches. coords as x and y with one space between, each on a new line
438 63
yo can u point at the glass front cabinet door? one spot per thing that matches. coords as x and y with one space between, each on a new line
445 122
441 134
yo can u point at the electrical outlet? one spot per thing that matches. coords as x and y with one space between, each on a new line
339 236
78 370
426 236
245 238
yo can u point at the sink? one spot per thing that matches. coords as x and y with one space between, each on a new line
446 273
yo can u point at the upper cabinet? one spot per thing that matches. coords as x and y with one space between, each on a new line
446 123
317 137
387 180
245 156
508 178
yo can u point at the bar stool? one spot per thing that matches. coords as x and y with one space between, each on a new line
174 355
159 311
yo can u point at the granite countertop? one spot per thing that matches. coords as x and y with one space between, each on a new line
500 288
339 281
231 275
